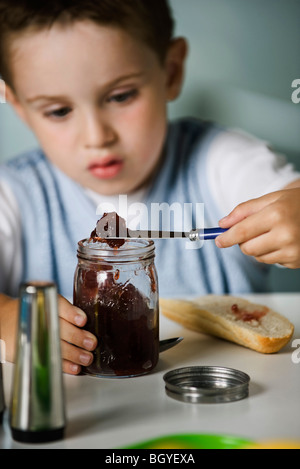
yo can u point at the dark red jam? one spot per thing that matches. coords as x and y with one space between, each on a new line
109 229
121 304
247 316
126 328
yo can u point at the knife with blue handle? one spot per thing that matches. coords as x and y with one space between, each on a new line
193 235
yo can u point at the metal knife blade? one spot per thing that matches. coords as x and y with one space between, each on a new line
194 235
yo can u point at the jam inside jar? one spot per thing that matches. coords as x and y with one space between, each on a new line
117 288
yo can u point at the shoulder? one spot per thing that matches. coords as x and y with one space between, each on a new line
29 176
231 141
189 138
256 167
234 150
26 169
29 159
190 128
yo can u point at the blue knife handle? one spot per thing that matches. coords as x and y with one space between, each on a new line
211 233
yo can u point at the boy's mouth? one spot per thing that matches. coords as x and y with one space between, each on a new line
106 168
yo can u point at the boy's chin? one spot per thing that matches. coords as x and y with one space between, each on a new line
111 190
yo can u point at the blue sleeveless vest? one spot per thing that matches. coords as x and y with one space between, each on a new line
56 213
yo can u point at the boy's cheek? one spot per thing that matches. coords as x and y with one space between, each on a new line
142 115
55 137
144 126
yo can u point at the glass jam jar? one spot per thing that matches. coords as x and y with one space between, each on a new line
118 290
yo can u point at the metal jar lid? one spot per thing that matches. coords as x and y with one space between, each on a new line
207 384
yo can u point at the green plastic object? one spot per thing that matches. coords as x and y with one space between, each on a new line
193 441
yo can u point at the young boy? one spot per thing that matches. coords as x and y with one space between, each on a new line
92 80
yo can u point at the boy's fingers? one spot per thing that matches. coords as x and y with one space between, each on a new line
76 343
245 230
76 355
247 209
263 245
73 335
270 258
70 368
71 313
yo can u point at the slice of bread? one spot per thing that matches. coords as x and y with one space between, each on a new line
235 319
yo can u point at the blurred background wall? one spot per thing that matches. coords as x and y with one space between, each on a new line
244 56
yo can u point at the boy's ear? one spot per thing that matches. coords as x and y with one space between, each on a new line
175 66
13 100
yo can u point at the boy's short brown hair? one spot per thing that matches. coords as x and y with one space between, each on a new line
149 20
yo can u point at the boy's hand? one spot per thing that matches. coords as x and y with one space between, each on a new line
267 228
76 344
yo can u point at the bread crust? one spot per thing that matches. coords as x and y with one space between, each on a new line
214 315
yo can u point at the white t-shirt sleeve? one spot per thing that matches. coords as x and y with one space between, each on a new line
10 241
240 167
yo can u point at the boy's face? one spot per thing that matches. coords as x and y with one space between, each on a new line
95 98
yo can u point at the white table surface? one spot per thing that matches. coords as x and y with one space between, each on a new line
115 413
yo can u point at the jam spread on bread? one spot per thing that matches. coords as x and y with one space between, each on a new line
247 316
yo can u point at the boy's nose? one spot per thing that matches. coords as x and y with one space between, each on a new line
98 133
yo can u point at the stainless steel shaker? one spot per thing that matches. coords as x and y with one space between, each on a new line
37 410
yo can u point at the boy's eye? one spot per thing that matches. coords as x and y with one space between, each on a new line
59 113
122 97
